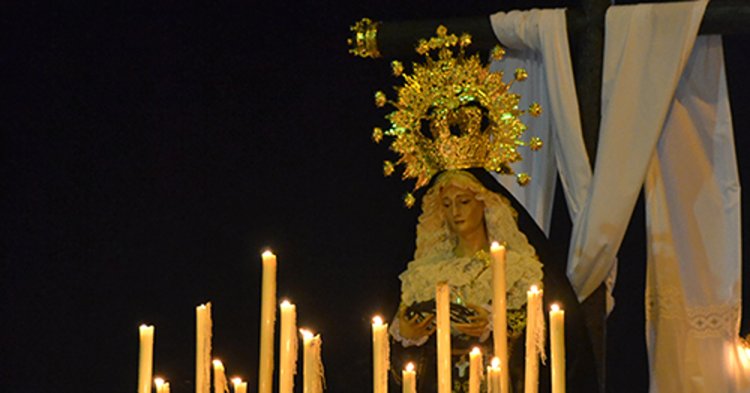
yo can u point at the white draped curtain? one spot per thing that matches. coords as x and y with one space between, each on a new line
538 42
666 125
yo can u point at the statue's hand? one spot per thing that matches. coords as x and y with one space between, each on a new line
415 326
477 323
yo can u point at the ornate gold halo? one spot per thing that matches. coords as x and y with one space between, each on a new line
453 113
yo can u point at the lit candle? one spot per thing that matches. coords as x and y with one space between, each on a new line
534 327
494 376
239 386
146 358
220 377
312 365
159 383
203 348
499 319
475 370
380 354
288 347
409 376
267 320
442 303
557 348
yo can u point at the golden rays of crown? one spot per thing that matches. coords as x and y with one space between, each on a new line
453 113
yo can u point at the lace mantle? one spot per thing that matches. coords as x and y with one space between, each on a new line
470 277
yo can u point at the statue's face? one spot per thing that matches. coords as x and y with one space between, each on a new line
464 212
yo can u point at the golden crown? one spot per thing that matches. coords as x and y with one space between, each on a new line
472 119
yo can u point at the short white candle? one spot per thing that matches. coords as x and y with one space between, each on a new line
499 311
557 348
409 376
267 321
380 354
312 367
159 384
220 377
533 331
239 385
146 358
288 347
442 302
475 370
494 376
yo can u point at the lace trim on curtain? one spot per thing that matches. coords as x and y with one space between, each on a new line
712 321
702 321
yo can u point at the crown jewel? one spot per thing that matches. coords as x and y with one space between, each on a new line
453 113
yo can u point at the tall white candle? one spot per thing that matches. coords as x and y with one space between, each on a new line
475 370
409 379
494 376
442 304
267 320
499 310
288 347
312 368
557 348
203 348
220 377
146 358
380 355
239 385
533 333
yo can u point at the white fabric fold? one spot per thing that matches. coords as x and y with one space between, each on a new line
537 41
646 49
692 190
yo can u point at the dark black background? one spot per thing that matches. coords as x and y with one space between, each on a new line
152 150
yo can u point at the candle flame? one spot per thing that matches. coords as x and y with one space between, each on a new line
144 326
555 307
495 362
158 381
285 303
410 367
476 351
306 334
267 253
217 363
534 289
236 381
496 246
377 320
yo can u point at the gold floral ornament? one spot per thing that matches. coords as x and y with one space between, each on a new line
377 134
453 113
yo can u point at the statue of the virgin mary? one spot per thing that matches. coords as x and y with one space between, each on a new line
460 217
475 126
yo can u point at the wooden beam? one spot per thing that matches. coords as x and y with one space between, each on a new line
397 39
586 36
